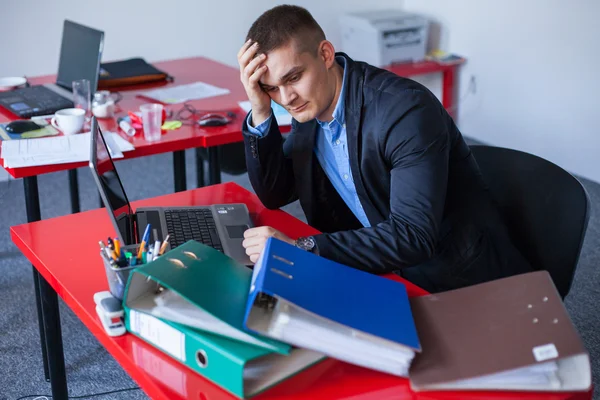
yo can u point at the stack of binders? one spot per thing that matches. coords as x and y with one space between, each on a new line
246 330
246 333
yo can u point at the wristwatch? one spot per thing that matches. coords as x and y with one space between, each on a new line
306 243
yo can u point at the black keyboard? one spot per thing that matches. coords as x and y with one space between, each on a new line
41 101
192 224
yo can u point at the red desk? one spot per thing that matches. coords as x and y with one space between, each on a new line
160 376
429 67
187 137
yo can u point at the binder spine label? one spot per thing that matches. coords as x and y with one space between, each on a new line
161 335
545 352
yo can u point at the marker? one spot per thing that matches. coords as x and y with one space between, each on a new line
156 250
126 127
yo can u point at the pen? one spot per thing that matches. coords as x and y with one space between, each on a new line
145 238
164 246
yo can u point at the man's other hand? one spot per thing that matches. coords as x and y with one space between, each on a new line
255 239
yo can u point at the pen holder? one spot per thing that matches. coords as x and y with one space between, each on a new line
117 276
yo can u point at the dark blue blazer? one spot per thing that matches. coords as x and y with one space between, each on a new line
432 218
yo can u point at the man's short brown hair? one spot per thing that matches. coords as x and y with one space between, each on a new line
283 24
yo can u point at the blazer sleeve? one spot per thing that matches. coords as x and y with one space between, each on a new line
416 147
269 164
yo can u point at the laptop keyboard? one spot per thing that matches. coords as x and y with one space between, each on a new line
42 101
193 224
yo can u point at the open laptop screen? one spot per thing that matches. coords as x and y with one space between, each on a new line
110 186
80 54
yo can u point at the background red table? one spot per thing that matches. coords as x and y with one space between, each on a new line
160 376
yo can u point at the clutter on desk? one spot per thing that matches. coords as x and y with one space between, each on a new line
190 302
443 58
41 128
183 93
248 330
57 150
104 103
133 71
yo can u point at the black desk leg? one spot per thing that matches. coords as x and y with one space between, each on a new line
179 170
214 165
200 182
74 191
32 204
58 376
47 308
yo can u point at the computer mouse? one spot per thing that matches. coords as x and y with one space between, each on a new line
213 120
21 126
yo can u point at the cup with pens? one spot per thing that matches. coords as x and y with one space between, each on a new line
120 260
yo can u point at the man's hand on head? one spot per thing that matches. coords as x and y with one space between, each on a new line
252 68
255 239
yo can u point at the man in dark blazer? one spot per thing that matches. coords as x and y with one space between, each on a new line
376 161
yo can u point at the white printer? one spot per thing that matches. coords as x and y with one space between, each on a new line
384 37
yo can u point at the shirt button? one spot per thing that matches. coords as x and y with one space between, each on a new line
338 141
345 177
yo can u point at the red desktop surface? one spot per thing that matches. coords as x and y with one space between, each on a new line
65 251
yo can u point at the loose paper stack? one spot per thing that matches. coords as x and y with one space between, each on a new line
57 150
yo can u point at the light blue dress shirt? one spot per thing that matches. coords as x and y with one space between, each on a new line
331 149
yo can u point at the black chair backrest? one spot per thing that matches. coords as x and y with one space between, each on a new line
546 209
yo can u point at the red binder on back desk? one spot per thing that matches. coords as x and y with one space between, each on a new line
510 334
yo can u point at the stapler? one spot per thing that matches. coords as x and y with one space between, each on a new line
110 312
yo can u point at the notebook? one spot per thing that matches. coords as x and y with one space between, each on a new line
509 334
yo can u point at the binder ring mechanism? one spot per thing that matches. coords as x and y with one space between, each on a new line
201 358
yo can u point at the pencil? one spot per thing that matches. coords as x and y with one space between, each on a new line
164 246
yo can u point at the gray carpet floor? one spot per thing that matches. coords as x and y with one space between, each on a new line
90 369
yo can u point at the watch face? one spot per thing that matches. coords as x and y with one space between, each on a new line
306 243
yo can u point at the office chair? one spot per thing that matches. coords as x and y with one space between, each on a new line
545 208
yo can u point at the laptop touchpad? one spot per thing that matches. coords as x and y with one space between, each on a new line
236 231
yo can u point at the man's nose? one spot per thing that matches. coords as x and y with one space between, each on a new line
288 96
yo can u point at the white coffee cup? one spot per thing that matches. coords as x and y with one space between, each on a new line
69 120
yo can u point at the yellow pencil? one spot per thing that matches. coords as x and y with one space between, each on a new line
117 247
163 247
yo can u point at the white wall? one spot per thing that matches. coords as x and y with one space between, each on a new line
179 28
535 64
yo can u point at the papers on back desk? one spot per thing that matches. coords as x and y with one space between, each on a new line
183 93
57 150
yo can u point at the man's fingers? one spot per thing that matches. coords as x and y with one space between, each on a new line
247 56
258 231
255 77
254 250
253 65
254 258
244 48
253 241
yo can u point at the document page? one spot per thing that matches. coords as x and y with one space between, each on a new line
183 93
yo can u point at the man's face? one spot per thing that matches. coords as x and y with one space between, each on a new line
300 82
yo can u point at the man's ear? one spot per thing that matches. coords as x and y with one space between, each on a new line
327 53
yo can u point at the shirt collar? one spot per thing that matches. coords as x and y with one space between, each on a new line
339 113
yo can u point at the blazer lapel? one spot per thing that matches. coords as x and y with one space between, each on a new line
353 104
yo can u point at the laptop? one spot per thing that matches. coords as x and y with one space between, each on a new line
80 54
220 226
